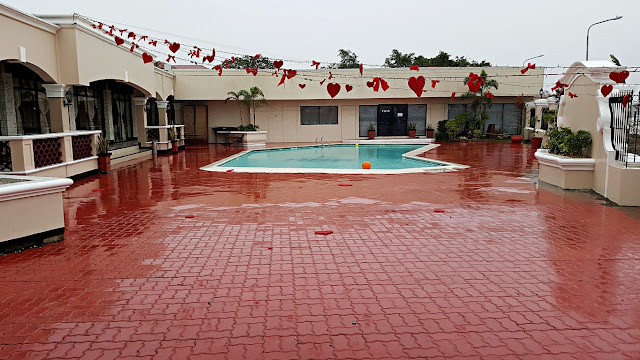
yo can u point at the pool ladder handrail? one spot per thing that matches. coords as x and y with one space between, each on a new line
323 141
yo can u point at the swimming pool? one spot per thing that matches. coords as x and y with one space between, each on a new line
335 158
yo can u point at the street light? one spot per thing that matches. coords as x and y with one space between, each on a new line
535 57
599 22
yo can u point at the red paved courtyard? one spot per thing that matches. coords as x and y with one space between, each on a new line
170 262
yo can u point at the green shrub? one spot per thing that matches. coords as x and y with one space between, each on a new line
477 133
456 125
442 133
566 142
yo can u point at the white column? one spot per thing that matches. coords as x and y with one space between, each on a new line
58 112
139 111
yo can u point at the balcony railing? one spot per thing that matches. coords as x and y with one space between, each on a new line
161 133
29 154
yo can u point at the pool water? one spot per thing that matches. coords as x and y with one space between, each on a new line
332 157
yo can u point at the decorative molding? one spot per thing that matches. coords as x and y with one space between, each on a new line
28 19
33 186
162 104
140 101
50 135
55 90
598 71
564 162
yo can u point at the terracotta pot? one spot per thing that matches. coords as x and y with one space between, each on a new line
174 147
372 133
104 163
516 139
536 142
412 134
430 133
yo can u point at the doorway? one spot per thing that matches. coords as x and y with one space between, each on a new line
392 120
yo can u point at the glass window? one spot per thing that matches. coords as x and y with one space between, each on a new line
368 115
318 115
153 118
30 100
505 117
418 116
85 106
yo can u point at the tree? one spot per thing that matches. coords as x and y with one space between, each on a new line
480 102
251 62
348 59
398 59
239 96
254 98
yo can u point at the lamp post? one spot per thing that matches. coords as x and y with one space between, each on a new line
599 22
535 57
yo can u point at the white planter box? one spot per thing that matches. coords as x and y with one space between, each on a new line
565 172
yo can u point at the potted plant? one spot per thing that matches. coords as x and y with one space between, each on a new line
430 131
173 137
372 131
412 130
104 156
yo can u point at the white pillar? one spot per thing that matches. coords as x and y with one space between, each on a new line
58 112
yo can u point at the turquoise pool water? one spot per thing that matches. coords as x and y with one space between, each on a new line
332 157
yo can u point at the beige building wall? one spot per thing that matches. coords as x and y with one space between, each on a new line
30 41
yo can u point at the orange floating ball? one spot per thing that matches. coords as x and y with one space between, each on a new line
366 165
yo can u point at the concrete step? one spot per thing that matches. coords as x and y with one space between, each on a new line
128 156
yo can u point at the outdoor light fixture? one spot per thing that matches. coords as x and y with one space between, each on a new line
599 22
541 92
68 98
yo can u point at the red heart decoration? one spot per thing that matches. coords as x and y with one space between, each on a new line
414 67
302 86
282 79
417 84
370 83
348 87
324 232
361 69
291 73
625 100
384 85
119 41
147 58
606 90
174 47
333 89
278 64
453 95
619 76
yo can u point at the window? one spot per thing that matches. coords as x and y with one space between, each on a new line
31 102
505 117
318 115
86 106
153 117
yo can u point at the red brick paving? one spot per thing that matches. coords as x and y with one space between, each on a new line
510 270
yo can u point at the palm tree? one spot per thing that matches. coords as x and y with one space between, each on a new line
239 96
254 98
480 102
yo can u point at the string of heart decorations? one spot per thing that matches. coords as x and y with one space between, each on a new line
417 84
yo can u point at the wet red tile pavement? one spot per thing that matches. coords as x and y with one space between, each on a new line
172 262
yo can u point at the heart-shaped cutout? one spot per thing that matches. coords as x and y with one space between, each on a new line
348 87
302 86
119 41
619 77
278 64
370 83
333 89
625 100
147 58
174 47
417 84
606 90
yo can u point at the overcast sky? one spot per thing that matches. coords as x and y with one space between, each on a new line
503 32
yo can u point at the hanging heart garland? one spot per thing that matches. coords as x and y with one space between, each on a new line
433 83
417 84
619 77
529 66
119 40
315 63
290 73
333 89
414 68
361 67
322 82
146 58
572 95
302 86
606 90
626 99
490 95
174 47
253 71
348 87
282 80
520 100
453 95
278 64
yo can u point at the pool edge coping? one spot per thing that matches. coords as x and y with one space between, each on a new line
445 166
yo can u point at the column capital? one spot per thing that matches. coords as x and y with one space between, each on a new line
177 106
56 90
140 101
162 104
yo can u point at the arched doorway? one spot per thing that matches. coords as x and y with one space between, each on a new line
26 106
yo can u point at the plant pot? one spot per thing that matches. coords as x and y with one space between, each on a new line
516 139
412 134
536 142
372 133
430 133
104 163
174 147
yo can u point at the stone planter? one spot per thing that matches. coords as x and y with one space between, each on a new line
565 172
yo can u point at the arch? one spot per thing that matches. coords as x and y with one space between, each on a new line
34 68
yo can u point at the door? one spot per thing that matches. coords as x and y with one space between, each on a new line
392 120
